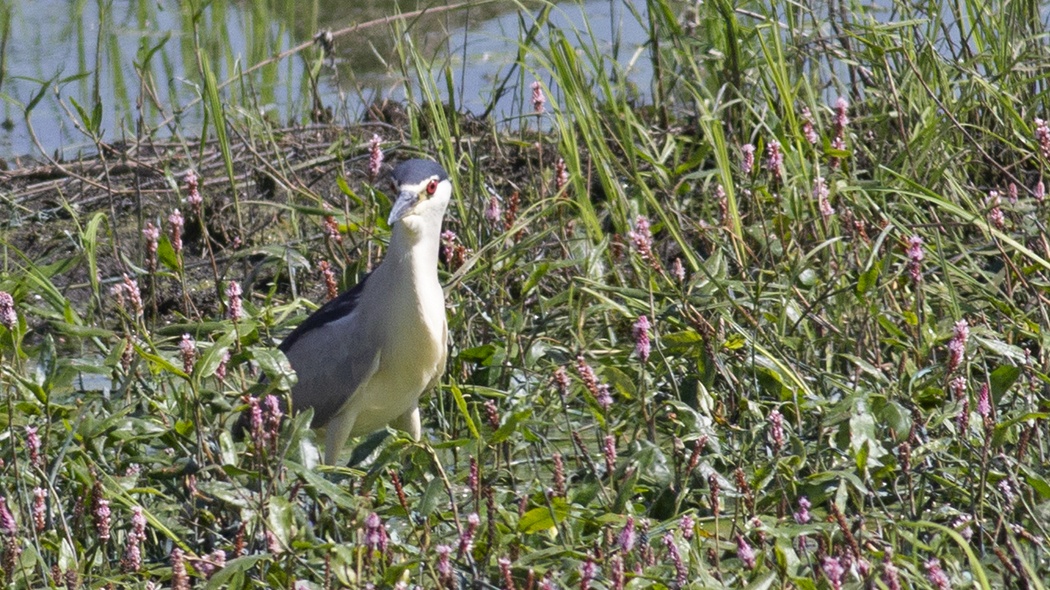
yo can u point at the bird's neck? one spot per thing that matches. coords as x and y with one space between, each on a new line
418 248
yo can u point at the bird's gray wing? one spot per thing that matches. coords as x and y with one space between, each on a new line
331 355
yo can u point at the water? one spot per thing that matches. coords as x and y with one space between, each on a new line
137 59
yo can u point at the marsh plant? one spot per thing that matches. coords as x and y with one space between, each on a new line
783 323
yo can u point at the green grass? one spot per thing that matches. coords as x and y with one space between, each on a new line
782 310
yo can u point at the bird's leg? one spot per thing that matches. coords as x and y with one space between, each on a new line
336 433
409 422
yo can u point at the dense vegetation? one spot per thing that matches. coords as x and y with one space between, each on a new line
783 325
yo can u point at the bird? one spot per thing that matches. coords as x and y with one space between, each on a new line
364 358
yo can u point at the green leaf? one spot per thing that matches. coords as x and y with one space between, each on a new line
477 354
464 412
869 279
225 577
1001 379
433 494
281 519
509 427
543 518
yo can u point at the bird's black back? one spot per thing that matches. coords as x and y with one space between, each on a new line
336 309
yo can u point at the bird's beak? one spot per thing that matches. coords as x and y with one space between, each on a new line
402 206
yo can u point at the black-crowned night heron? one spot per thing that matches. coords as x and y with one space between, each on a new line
364 359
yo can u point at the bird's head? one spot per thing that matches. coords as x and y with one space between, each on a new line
423 193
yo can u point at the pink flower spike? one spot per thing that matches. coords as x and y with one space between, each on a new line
8 315
539 100
375 157
747 158
642 345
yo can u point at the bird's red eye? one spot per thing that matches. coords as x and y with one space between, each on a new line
432 187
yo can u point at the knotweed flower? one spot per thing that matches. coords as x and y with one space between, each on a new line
964 524
957 345
127 295
40 508
604 397
1011 193
587 571
587 375
152 235
677 270
375 533
962 421
444 565
559 475
331 287
102 518
807 127
211 563
841 115
473 477
455 254
687 525
820 193
193 195
272 426
132 560
375 157
626 538
177 223
1007 491
8 526
234 309
904 456
561 381
723 204
647 554
957 386
561 176
833 571
539 100
180 580
493 212
466 538
802 514
984 402
745 552
747 158
915 257
890 575
936 575
775 161
995 212
189 352
508 576
1039 191
616 572
1042 135
715 488
220 371
33 446
642 238
492 414
331 229
694 457
681 573
8 316
640 331
776 430
609 450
